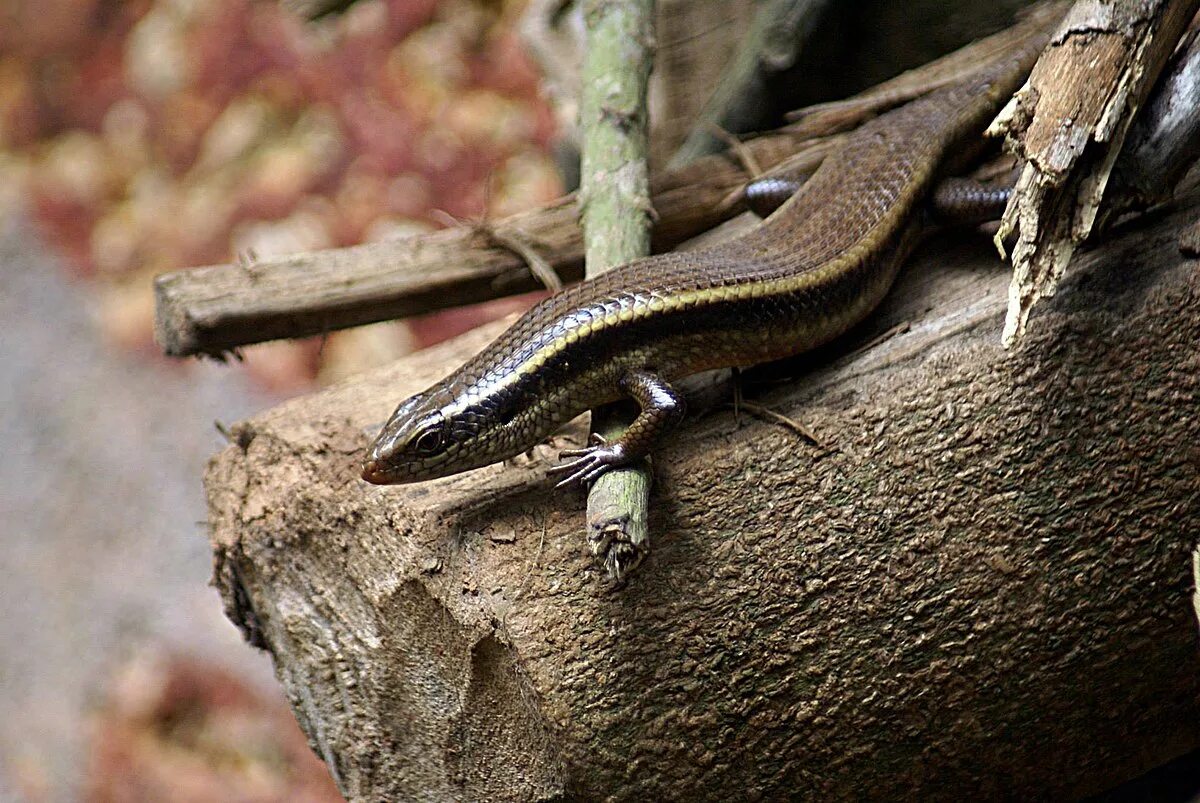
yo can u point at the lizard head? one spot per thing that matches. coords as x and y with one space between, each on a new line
435 434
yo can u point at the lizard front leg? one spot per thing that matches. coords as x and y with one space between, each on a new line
661 409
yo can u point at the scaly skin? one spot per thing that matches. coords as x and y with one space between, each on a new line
815 268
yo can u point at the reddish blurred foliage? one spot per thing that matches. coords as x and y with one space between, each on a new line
150 135
178 729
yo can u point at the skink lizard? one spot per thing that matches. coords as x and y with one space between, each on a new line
813 269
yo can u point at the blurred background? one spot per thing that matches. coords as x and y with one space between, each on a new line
147 136
144 136
138 137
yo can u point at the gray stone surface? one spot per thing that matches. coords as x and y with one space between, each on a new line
103 550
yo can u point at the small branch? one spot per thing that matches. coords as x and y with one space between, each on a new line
744 155
515 242
616 218
537 264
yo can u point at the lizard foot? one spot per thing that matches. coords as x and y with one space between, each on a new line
586 464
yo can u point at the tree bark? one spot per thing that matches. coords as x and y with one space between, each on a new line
981 585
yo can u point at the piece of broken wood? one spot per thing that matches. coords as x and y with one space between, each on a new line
1068 124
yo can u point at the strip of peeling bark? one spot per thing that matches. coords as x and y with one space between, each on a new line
1068 123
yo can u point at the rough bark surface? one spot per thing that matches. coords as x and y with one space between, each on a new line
981 586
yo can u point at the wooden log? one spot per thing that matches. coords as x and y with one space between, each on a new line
981 586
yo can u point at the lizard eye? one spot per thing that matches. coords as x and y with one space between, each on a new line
429 441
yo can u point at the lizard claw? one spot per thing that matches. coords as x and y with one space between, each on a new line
586 464
594 440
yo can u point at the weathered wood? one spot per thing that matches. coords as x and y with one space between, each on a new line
1068 124
981 586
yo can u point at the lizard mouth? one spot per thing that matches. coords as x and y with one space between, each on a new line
375 473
